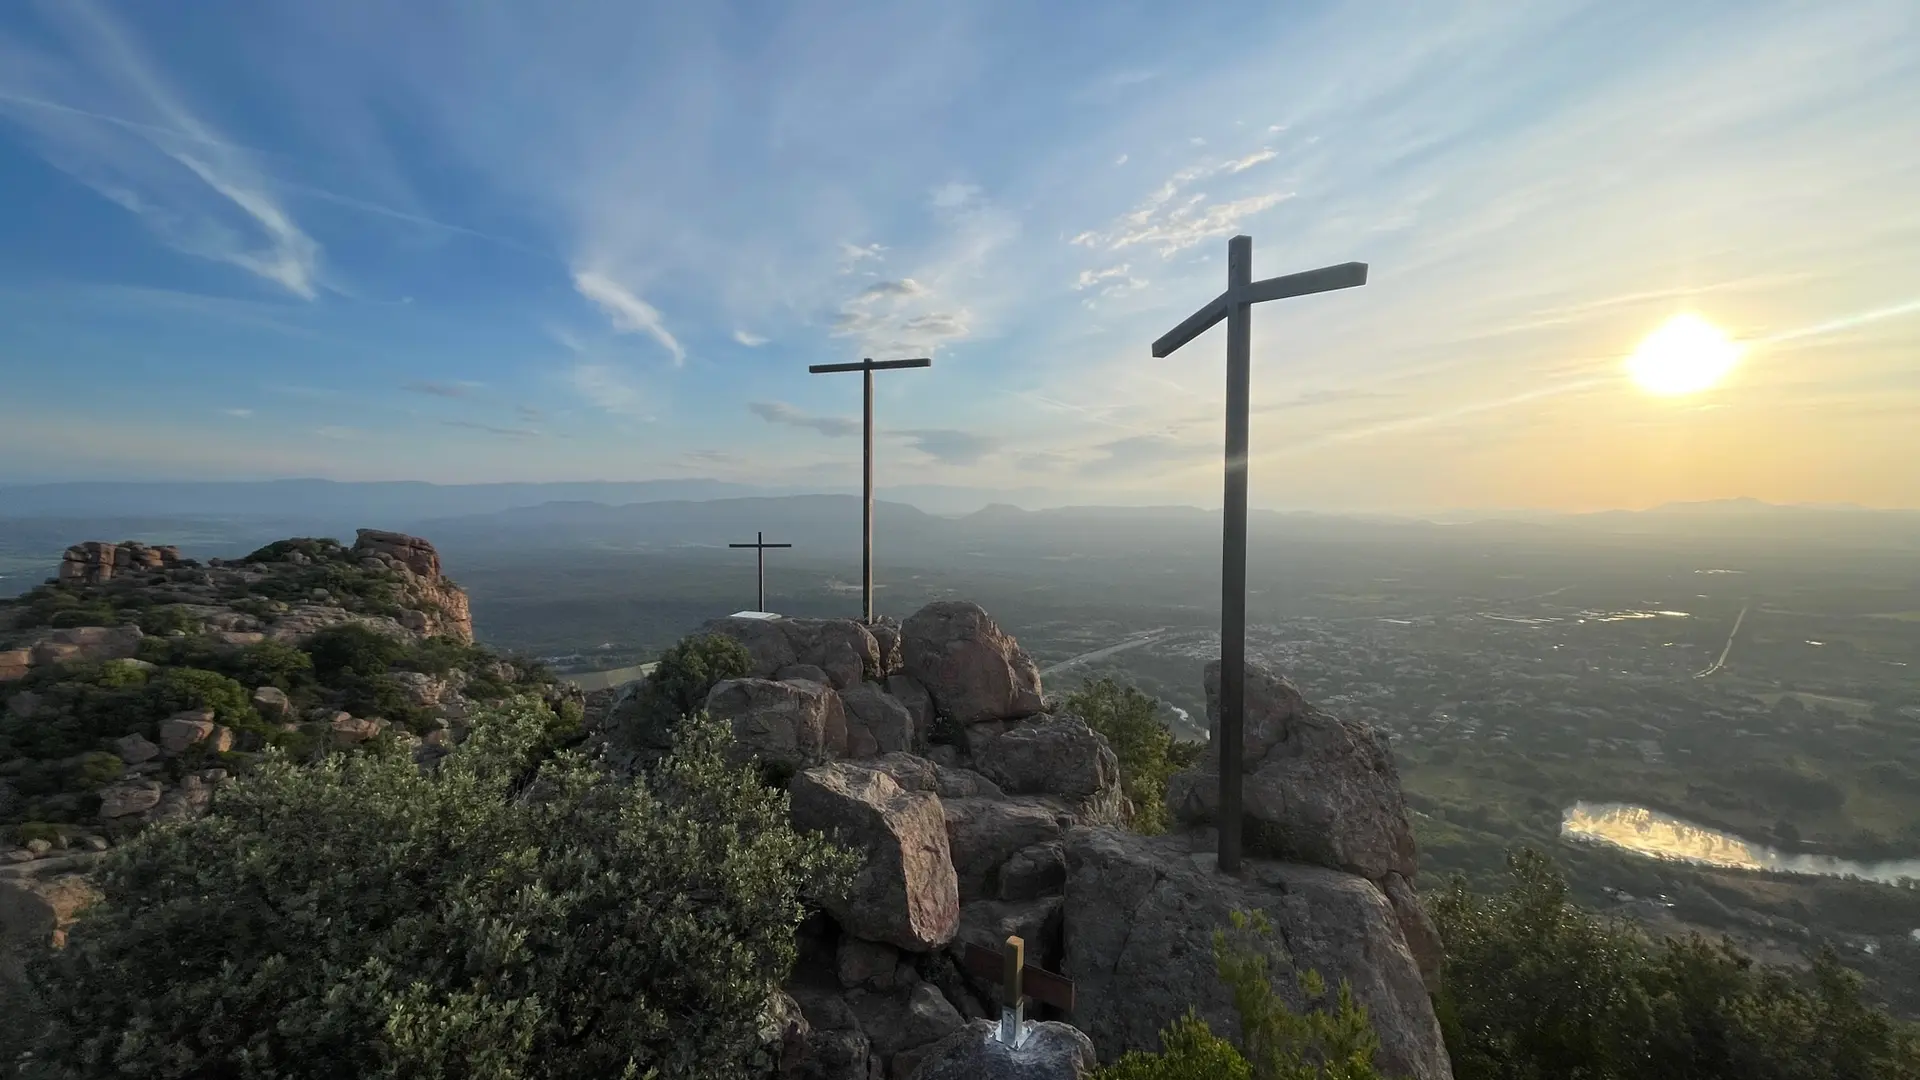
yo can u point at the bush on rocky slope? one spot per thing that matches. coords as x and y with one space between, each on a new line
1536 988
501 915
1331 1041
1147 750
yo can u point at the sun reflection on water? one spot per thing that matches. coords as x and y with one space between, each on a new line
1656 835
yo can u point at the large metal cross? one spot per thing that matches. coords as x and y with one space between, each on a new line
1236 306
867 368
1019 980
761 546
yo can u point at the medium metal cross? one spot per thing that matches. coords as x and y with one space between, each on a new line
1236 306
1019 980
867 368
761 546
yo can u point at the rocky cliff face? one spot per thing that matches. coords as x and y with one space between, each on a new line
926 746
136 682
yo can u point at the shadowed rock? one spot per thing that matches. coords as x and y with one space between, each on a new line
1052 1051
973 669
1316 788
1138 942
905 893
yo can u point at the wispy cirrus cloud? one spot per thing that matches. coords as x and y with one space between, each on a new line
626 312
749 339
495 429
948 446
459 389
200 192
779 412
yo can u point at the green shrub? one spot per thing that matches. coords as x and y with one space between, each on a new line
1147 750
1536 988
97 769
167 619
1189 1050
1330 1041
270 663
686 673
504 915
352 647
179 689
439 655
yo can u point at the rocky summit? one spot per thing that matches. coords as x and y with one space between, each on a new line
982 810
138 681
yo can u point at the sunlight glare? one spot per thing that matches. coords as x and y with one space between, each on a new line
1686 355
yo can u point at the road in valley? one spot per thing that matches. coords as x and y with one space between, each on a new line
1722 662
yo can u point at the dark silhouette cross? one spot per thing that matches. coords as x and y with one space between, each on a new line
1236 306
1019 980
867 368
760 545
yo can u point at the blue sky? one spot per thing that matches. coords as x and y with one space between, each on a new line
503 241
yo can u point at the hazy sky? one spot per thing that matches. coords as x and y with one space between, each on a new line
509 241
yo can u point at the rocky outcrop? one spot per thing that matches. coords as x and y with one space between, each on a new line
842 649
38 901
1026 800
973 669
95 562
432 605
1139 920
790 724
1316 788
905 893
1052 1051
877 723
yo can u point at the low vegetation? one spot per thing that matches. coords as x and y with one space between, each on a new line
54 751
686 673
1147 750
514 912
1537 988
1332 1040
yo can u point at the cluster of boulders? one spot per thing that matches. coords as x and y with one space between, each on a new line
96 561
982 810
428 604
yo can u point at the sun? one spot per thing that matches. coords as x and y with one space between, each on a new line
1686 355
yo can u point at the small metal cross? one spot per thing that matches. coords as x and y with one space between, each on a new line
760 543
1019 980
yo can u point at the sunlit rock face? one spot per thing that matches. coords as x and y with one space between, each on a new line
1657 835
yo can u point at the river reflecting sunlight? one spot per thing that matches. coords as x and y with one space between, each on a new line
1657 835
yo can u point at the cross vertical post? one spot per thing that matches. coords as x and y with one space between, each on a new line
1013 1003
867 367
1018 981
866 495
760 543
1236 306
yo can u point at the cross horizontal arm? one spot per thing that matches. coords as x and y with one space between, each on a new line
1039 984
759 545
870 365
1196 324
1325 279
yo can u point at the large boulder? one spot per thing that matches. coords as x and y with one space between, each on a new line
984 832
973 669
877 719
905 892
1057 756
842 649
791 724
907 691
1315 788
1051 1051
129 797
1138 942
906 1019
